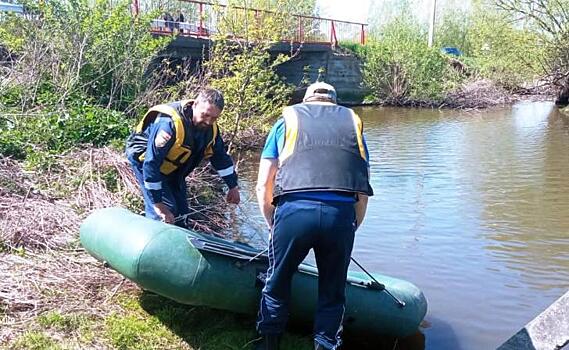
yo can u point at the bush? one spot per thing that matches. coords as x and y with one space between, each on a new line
254 93
89 48
83 66
35 136
399 67
504 53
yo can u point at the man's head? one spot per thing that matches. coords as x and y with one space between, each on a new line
321 92
207 107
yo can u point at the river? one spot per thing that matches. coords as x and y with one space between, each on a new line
472 207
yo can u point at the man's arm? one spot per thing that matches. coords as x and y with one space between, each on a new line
268 170
223 164
361 204
361 208
265 183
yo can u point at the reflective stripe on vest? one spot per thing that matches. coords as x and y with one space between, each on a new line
323 151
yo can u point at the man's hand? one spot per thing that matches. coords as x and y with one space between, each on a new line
233 196
164 213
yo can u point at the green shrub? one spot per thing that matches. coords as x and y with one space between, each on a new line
254 93
399 67
87 48
503 52
83 66
39 135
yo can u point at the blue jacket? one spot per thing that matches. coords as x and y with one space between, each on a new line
161 135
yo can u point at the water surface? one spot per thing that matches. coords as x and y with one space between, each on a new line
472 207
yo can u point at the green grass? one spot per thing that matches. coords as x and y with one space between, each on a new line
148 321
135 332
35 340
68 323
195 327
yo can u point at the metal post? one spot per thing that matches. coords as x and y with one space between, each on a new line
135 8
333 39
200 29
300 30
363 35
432 24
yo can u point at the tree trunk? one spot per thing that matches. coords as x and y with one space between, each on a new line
563 97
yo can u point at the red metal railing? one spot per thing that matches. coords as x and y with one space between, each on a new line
203 19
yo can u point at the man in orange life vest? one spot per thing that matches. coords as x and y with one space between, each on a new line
312 188
168 143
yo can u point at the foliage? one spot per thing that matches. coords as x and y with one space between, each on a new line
502 52
399 68
81 63
241 66
94 50
36 136
253 91
549 22
274 22
452 28
495 47
302 7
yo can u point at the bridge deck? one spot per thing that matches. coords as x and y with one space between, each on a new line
202 19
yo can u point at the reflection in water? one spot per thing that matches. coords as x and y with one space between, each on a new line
471 207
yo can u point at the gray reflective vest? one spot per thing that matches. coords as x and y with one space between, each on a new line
323 151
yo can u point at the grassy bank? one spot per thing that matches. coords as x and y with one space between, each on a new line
126 318
72 84
53 295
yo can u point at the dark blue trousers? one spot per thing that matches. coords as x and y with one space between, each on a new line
301 225
173 195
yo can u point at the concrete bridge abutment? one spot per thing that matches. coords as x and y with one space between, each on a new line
308 63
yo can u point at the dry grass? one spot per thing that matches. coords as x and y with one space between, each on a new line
42 266
478 94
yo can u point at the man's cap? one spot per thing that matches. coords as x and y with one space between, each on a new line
320 90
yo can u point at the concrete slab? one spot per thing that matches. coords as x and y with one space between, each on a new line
548 331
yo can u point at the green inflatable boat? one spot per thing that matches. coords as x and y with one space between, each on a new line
197 269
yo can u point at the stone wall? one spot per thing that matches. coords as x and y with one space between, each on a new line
339 68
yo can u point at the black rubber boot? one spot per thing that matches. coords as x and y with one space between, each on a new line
269 342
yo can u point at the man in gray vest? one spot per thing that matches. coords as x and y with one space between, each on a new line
312 189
